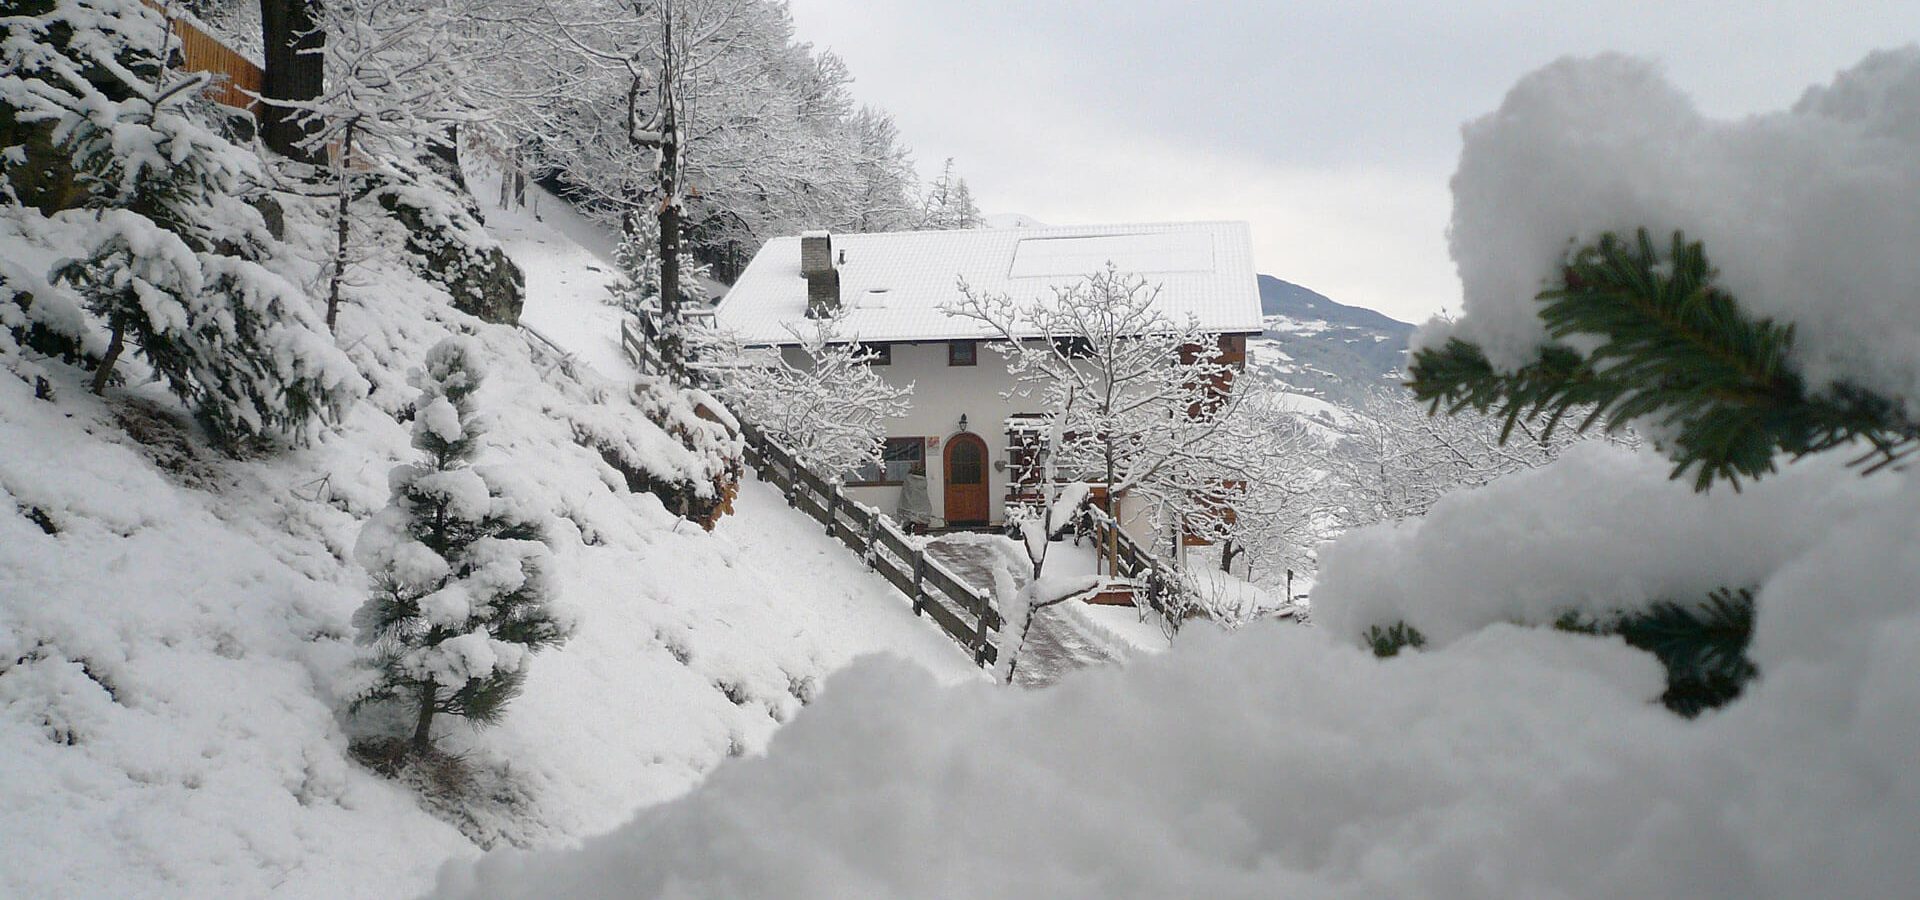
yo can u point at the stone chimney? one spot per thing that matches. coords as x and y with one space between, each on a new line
823 280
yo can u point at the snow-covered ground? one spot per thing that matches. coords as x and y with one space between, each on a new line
174 625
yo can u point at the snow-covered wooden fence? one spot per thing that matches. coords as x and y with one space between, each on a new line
964 612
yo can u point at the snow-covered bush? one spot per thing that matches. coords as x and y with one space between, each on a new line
463 595
681 445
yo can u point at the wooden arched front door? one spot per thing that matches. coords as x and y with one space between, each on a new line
966 479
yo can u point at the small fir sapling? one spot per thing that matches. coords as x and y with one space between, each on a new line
463 592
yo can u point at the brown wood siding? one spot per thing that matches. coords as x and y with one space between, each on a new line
234 74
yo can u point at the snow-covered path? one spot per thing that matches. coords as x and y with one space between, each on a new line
566 281
828 588
1064 637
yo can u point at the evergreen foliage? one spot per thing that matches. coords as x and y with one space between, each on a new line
1640 333
462 590
1703 646
638 259
1389 641
175 262
1671 350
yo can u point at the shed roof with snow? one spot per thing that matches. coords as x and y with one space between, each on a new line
895 283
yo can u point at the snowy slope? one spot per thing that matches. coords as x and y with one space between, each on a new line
174 629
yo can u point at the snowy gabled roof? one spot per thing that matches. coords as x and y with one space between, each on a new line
895 283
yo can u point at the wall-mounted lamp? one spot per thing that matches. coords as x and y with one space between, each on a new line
963 421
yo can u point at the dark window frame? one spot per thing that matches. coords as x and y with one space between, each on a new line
919 457
972 353
1074 347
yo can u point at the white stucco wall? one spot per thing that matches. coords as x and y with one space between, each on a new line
941 394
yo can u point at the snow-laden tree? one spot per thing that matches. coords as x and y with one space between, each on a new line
767 139
463 590
948 203
1136 401
1395 457
637 292
884 178
830 408
176 265
395 90
1280 511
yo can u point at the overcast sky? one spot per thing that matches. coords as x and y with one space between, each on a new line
1331 127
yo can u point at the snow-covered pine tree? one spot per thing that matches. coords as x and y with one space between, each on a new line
463 593
146 173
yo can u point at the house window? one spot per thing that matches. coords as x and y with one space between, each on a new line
878 354
900 457
962 353
1073 347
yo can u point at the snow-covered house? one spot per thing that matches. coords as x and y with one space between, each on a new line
893 286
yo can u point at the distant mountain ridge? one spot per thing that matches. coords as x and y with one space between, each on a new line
1320 347
1279 297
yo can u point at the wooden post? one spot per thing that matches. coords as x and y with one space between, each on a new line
919 577
980 631
833 502
873 541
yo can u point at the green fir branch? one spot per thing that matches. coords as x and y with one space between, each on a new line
1673 349
1703 645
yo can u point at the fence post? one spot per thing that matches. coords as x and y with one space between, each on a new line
833 502
919 575
980 632
873 541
